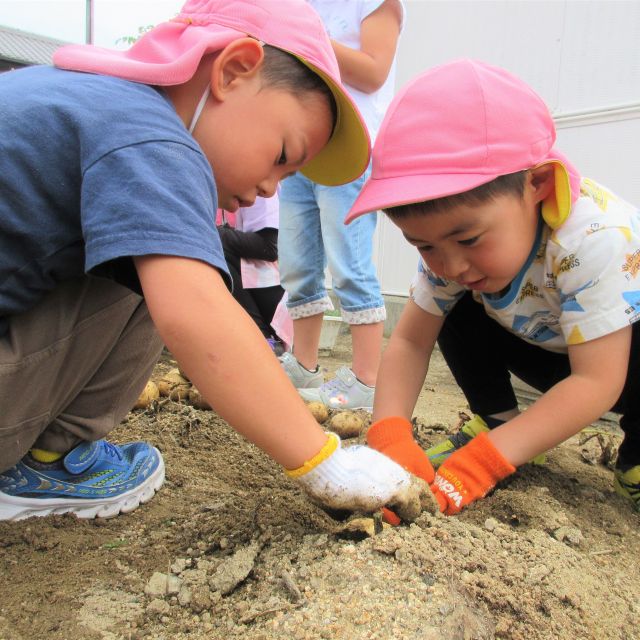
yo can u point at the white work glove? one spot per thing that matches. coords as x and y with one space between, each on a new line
358 478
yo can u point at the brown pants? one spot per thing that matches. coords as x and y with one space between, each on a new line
73 366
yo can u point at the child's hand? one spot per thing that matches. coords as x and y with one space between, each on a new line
394 437
468 474
360 479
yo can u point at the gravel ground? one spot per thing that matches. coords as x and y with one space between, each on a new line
230 548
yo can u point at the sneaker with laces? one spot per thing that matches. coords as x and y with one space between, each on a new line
300 377
469 430
627 483
94 480
344 391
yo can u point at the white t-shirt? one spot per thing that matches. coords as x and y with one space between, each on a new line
342 20
580 281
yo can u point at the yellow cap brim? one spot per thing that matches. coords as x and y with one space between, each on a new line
557 206
346 156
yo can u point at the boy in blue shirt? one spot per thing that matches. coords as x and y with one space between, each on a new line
112 168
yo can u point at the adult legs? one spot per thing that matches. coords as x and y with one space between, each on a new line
312 236
349 251
366 346
301 259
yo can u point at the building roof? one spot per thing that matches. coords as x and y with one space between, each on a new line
26 48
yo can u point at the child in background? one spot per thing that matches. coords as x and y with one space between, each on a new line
364 37
250 244
112 168
525 268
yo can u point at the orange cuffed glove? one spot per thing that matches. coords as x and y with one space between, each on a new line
394 438
468 474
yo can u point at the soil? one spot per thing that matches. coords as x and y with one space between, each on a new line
230 548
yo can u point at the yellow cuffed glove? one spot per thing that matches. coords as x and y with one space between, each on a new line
358 478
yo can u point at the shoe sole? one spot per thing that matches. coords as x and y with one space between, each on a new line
14 508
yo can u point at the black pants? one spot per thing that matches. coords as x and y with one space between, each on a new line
481 355
260 303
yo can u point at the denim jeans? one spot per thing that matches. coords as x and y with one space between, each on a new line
312 236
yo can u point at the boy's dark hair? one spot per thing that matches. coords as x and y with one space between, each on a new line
281 70
510 184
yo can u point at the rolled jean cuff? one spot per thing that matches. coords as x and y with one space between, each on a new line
365 316
313 308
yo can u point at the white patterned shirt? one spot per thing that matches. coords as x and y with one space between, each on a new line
580 281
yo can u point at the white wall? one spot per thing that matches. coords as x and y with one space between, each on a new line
581 56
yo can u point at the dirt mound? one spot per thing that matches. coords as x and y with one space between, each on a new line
230 548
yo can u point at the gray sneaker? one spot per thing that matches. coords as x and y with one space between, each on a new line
344 391
300 377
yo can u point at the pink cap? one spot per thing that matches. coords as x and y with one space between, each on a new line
457 126
169 54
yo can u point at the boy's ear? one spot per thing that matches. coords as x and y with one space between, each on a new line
542 181
238 61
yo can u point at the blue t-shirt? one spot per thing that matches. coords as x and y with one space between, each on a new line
94 170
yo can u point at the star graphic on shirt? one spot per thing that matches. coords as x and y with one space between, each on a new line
568 300
632 298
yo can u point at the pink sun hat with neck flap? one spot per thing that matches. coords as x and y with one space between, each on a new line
458 126
170 53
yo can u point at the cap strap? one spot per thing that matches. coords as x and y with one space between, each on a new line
199 108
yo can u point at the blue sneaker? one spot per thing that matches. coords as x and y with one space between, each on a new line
94 480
